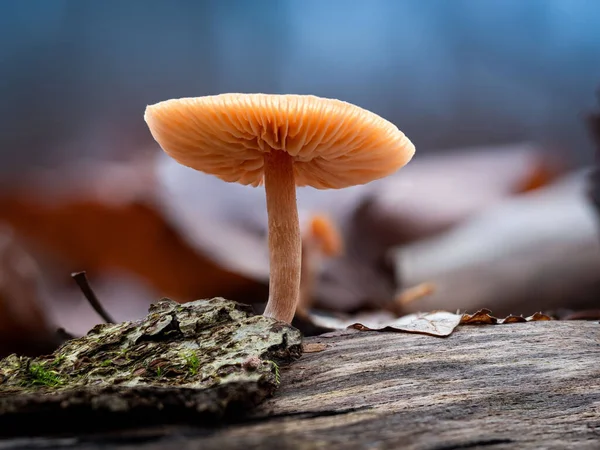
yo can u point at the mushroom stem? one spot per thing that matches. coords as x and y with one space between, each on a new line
285 244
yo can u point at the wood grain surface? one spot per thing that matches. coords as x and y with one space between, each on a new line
524 385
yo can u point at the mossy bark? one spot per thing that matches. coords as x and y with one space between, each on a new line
201 359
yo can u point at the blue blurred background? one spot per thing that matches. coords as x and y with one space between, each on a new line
75 76
503 228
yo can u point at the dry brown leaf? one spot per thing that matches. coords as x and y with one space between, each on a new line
484 317
436 193
437 323
124 230
539 317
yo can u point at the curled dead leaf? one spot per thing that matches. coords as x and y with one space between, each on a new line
435 323
538 317
484 317
513 319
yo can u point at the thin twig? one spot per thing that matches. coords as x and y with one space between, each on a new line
83 283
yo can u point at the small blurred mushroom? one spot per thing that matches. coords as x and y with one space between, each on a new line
281 141
324 233
321 239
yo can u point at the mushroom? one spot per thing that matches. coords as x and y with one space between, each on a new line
324 233
321 238
281 141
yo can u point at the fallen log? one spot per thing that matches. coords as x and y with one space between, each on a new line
521 385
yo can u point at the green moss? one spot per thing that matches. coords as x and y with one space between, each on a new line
39 375
192 363
205 346
276 370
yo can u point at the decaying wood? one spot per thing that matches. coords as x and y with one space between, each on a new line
199 360
523 385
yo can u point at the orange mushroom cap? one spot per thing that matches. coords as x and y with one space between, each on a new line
334 144
326 232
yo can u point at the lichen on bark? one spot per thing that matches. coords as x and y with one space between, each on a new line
201 357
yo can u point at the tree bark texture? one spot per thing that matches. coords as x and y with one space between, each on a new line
523 385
